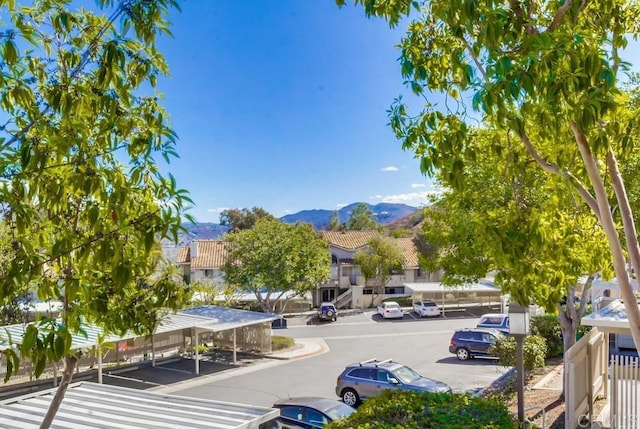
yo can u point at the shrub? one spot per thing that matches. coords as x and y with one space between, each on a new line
280 343
403 301
548 326
535 351
422 410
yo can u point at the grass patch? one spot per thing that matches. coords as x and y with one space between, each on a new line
281 343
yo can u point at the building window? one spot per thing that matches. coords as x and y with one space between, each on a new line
367 291
208 274
334 259
394 291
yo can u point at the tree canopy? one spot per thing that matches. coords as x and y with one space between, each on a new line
239 219
361 219
550 75
275 260
80 191
379 260
334 222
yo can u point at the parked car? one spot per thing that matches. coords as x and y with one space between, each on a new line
369 378
469 343
390 310
327 311
308 413
426 307
496 321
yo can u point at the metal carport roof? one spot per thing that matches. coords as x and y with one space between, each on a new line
612 319
229 318
91 405
205 318
482 286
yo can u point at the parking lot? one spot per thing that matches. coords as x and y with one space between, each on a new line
419 343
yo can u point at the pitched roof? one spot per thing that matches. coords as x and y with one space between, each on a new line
349 240
210 254
353 240
409 252
184 255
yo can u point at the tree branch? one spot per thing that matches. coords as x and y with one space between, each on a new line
559 15
554 169
93 45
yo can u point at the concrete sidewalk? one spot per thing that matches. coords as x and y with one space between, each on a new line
304 347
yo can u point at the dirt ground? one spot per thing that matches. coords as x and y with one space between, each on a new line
543 391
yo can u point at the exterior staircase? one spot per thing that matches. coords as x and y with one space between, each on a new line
343 300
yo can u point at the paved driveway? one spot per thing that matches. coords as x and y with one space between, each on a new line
420 344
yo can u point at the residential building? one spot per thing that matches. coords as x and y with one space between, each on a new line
202 261
348 288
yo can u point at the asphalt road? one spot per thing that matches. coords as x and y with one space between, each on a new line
419 343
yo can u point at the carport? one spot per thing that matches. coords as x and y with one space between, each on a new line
482 293
190 322
91 405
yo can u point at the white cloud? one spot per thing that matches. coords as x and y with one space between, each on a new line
376 197
418 185
410 198
340 205
218 210
390 168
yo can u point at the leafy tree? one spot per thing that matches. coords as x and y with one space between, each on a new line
274 259
501 219
361 219
13 309
334 222
549 74
81 193
239 219
379 260
422 410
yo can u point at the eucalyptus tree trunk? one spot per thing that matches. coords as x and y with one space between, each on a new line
605 215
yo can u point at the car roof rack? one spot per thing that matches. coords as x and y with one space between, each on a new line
376 361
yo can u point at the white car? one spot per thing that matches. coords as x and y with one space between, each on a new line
426 307
390 310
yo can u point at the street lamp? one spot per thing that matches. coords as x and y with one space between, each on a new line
519 328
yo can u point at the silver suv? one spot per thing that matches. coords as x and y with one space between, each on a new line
370 377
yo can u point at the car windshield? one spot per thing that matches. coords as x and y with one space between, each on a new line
428 303
406 374
339 410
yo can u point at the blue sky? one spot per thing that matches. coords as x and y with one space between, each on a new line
283 106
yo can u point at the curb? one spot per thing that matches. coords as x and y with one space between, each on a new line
553 373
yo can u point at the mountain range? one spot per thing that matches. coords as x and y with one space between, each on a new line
385 214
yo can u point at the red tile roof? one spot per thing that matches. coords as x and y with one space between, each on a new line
349 240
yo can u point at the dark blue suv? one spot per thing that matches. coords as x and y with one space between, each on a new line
469 343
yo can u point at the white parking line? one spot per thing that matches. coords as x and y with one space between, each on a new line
394 334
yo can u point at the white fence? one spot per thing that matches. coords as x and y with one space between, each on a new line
624 408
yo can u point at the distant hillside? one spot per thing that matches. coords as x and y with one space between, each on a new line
409 222
385 214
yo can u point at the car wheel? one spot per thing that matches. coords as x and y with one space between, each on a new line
463 354
335 319
350 397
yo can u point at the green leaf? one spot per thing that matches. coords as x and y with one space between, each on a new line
9 51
